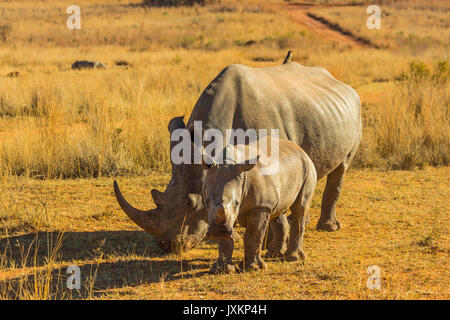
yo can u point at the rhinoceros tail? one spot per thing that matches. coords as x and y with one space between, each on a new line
288 57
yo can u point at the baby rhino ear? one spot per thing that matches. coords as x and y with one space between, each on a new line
241 167
176 123
208 162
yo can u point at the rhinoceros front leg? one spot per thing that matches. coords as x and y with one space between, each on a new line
224 263
279 229
257 223
328 220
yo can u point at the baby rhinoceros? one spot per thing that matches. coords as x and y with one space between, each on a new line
249 193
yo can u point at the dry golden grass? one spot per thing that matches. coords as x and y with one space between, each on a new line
59 123
78 124
406 125
414 27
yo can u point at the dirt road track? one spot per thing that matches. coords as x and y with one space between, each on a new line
299 12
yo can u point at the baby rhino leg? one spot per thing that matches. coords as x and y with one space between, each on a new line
299 216
256 226
224 262
279 228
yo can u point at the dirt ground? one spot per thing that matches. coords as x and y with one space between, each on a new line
396 220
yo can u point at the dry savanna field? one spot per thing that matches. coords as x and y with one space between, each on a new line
65 135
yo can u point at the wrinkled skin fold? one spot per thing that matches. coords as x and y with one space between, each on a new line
308 106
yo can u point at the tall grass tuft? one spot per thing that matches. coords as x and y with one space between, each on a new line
411 128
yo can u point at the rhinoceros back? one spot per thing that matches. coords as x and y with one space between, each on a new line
307 104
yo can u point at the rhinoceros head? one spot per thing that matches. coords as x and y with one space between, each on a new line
178 222
223 194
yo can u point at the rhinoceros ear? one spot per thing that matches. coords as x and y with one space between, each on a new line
158 197
241 167
176 123
208 162
195 201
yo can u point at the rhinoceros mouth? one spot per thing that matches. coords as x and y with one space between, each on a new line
219 231
181 243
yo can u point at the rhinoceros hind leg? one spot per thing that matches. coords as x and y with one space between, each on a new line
299 215
335 179
328 220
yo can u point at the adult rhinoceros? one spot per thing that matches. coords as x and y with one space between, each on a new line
308 106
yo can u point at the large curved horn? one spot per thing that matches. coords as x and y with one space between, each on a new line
147 220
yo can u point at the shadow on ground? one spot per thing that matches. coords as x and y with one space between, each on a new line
97 278
19 251
135 260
